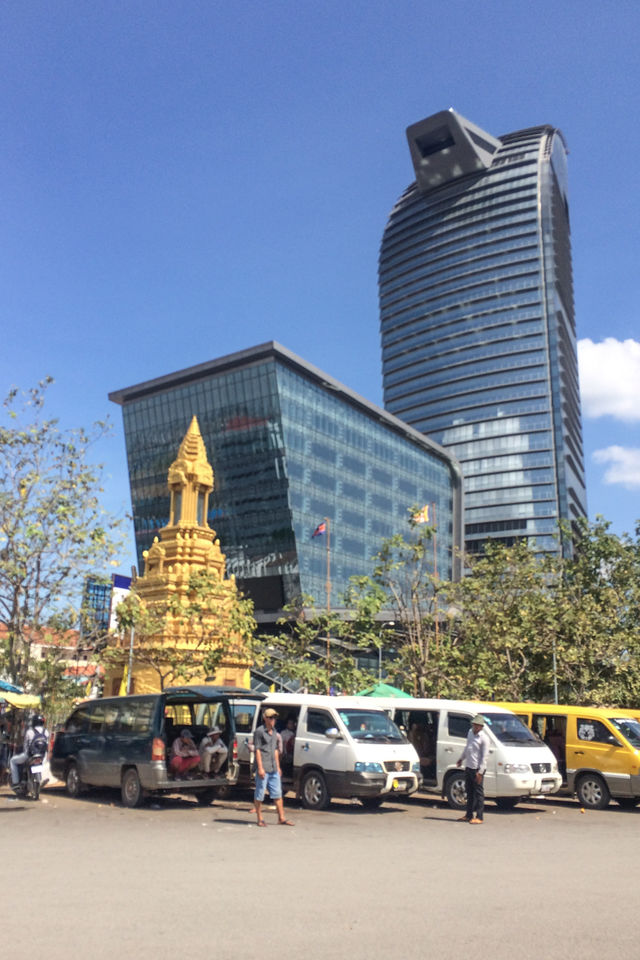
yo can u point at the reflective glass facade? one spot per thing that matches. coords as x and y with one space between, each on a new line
289 446
478 326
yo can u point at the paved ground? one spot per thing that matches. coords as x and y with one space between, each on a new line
542 882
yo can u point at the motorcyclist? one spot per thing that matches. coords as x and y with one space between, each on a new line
36 728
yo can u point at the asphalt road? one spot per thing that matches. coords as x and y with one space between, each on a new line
89 878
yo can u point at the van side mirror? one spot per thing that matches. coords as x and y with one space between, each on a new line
333 733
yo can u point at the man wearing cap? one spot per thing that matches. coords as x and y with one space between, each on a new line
267 767
213 752
474 757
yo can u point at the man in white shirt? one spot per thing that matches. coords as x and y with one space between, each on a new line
213 752
474 757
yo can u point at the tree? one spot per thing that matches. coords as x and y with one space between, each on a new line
53 530
506 623
185 637
407 584
598 642
317 650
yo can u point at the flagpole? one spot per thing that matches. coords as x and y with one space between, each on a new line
435 577
328 586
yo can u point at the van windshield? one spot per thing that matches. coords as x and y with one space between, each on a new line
630 729
371 725
509 729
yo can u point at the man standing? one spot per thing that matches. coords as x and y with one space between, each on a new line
474 757
267 756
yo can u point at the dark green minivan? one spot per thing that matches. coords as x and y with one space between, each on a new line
126 742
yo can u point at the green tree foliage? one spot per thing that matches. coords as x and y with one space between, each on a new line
317 651
183 639
53 532
498 632
598 608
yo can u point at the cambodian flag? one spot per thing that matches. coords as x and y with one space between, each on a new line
320 530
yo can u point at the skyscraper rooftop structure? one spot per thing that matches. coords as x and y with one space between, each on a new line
478 326
289 446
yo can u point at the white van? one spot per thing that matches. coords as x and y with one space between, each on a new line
519 764
343 747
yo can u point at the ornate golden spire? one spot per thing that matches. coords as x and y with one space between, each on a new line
190 481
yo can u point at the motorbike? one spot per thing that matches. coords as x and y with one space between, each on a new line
31 778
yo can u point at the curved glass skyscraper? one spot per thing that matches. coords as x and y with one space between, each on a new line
478 326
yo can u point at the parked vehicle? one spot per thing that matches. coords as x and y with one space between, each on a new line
343 747
126 742
598 750
519 764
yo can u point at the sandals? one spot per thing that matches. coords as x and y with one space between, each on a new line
286 823
261 823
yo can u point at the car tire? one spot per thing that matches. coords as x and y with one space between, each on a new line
131 788
313 791
455 791
592 791
72 780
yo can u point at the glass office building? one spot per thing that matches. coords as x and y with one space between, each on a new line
477 322
289 446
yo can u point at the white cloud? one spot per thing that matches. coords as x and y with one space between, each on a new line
610 378
624 466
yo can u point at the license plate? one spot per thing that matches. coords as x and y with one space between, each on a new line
37 768
546 787
397 786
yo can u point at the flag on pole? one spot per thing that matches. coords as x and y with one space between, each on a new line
320 530
422 516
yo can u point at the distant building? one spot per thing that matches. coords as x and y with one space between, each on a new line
99 601
289 446
478 326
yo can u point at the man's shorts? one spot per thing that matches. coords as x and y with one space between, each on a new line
270 782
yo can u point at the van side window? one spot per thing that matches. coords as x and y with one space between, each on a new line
595 731
96 717
319 721
78 722
243 715
458 725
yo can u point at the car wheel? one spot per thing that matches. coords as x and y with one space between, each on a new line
205 797
507 803
592 791
131 789
455 791
313 791
72 781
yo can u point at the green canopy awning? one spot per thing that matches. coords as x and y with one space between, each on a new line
383 690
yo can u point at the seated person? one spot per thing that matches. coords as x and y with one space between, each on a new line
288 737
213 752
424 745
184 754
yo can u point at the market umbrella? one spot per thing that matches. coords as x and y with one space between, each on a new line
383 690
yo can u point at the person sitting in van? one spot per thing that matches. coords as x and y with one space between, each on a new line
288 737
184 754
213 751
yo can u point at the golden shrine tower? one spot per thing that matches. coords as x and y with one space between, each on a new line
187 546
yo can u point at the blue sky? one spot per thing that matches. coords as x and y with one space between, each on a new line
182 179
